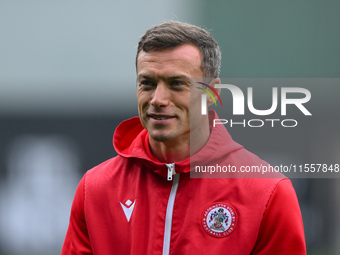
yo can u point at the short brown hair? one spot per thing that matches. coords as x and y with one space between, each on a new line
171 34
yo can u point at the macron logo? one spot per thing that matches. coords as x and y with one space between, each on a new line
128 208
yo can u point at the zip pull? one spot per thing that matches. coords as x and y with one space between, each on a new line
171 171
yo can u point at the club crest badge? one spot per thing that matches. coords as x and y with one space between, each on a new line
219 219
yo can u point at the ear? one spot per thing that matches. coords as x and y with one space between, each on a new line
210 101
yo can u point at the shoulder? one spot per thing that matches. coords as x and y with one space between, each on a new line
248 165
105 171
243 156
105 166
111 172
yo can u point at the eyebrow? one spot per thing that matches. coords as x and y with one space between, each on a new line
179 77
143 76
175 77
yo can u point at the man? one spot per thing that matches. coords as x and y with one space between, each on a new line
144 202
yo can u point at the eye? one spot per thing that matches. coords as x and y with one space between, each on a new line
177 83
147 84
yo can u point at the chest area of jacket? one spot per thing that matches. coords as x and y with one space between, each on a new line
212 213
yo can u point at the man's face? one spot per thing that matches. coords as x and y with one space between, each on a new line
163 91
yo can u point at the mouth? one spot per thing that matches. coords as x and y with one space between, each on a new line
159 117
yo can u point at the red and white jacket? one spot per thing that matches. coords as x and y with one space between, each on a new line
134 204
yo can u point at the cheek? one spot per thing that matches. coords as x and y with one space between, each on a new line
141 107
142 101
195 103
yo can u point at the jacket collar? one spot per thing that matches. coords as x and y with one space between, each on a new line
131 140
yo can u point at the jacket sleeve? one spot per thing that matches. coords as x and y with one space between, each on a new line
281 230
77 239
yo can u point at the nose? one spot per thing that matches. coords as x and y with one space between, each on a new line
160 96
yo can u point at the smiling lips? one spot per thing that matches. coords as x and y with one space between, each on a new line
160 117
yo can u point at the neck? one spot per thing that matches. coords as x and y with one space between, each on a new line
181 149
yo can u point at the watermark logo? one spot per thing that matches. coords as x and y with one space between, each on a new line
238 97
204 97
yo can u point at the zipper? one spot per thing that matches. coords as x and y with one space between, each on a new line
169 210
171 171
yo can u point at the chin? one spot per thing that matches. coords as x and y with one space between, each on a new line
161 137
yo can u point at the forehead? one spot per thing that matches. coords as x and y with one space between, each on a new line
186 58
